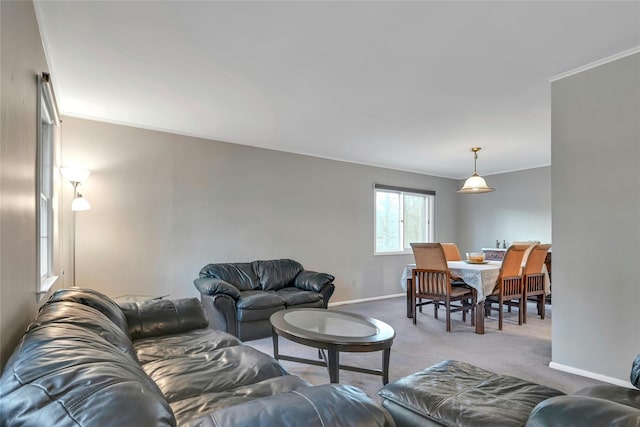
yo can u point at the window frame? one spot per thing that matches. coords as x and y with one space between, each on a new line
47 120
430 196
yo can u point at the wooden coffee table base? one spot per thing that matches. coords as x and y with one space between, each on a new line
331 359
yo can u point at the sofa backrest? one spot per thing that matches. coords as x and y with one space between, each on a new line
95 299
164 317
73 367
241 275
277 274
635 372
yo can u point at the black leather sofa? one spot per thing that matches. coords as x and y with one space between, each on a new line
453 393
87 362
240 297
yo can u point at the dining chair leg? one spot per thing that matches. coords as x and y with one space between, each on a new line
500 304
436 304
520 311
448 310
414 311
541 307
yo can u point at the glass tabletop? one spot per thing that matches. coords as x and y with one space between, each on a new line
331 326
330 323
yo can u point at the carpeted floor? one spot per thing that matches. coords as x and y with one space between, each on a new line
521 351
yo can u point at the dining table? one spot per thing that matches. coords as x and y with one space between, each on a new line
482 277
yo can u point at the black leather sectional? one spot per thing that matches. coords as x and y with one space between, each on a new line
240 297
453 393
85 361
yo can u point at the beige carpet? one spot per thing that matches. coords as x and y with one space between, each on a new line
522 351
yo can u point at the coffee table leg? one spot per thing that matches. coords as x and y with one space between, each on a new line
274 336
334 365
386 355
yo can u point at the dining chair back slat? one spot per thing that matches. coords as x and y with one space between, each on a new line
451 252
431 281
509 284
534 277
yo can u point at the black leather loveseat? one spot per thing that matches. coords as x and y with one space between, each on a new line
85 362
240 297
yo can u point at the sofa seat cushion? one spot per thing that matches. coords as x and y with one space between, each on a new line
215 371
455 393
319 406
204 403
258 300
193 342
622 395
294 296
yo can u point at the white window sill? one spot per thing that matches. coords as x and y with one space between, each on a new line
46 285
393 253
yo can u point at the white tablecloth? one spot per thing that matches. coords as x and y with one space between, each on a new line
481 277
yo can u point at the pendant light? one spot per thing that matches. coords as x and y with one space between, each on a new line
475 183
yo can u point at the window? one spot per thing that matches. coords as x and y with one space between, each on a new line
47 119
403 216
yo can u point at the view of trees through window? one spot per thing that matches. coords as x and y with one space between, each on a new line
401 218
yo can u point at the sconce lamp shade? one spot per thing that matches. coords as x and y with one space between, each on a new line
80 204
75 175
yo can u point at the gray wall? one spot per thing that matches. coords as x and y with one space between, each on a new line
519 210
165 205
596 215
22 58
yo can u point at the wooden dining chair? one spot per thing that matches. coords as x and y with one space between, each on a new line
533 279
431 281
451 252
509 285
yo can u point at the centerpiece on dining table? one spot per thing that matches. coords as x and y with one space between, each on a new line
475 258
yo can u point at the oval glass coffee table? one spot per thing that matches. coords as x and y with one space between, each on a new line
335 332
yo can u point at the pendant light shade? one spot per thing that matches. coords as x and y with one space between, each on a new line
475 183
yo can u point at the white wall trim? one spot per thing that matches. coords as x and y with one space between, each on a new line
594 64
354 301
589 374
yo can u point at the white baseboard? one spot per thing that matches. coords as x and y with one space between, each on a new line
589 374
354 301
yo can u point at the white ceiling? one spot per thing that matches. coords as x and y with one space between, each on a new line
405 85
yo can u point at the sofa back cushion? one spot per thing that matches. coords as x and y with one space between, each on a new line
66 374
635 372
71 313
241 275
277 274
164 317
94 299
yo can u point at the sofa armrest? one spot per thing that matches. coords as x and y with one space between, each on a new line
221 311
211 286
316 406
164 317
312 280
578 411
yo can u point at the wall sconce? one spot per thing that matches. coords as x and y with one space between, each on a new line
77 177
79 203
